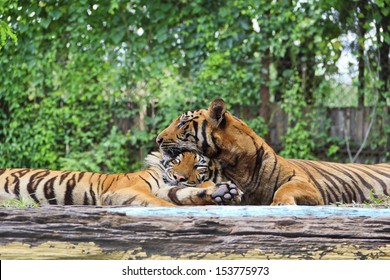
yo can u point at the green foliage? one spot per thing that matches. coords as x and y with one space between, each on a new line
5 31
258 125
374 199
19 203
298 141
88 86
109 154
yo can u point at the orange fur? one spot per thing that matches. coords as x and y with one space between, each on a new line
149 187
264 176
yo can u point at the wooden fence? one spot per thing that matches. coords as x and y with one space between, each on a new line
341 124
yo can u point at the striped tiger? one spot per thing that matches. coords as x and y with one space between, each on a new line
265 177
188 179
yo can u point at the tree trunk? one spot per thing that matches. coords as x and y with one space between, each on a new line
361 33
384 71
264 110
211 232
384 53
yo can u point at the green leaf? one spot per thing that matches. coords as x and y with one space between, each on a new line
55 14
162 34
45 22
117 35
385 11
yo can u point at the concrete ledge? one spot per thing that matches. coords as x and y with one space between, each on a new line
254 211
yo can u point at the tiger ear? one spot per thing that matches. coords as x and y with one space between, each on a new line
217 111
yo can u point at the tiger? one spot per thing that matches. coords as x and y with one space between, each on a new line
187 179
264 177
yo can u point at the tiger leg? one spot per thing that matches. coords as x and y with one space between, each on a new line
207 193
297 192
129 196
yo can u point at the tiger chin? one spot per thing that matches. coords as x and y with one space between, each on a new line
265 177
188 179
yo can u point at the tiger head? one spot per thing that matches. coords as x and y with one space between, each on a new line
189 169
213 132
192 131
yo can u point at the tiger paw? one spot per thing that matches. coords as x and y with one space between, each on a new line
283 200
226 193
279 202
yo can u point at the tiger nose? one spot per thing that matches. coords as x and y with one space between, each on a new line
179 178
159 140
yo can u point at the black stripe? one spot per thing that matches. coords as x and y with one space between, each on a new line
254 181
130 200
276 182
63 176
215 173
23 172
6 185
107 188
146 181
155 179
16 182
257 167
86 199
195 124
326 195
277 176
102 185
344 198
172 194
90 178
33 183
205 145
291 176
332 195
2 170
81 175
274 167
93 195
218 150
323 193
48 189
201 194
98 185
17 188
70 185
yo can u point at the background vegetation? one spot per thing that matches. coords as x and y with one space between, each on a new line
87 85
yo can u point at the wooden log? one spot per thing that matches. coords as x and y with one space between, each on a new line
212 232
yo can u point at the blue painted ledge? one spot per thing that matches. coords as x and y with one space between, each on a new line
252 211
